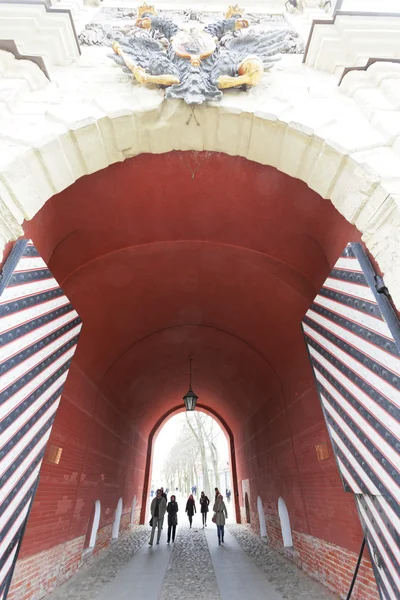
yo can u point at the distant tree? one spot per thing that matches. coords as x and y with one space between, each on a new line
192 453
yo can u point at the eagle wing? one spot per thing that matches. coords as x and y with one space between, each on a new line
267 46
147 53
141 50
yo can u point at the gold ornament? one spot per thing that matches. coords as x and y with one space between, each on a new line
146 8
234 10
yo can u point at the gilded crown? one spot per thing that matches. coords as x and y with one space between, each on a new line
146 8
234 10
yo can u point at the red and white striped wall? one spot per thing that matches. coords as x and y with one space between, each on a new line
39 331
353 339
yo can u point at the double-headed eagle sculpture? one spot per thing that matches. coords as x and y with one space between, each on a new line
197 62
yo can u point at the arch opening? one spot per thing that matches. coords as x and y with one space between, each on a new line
117 520
191 454
226 277
285 524
93 526
208 440
261 518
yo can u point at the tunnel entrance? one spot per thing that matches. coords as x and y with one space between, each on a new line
223 265
191 455
219 463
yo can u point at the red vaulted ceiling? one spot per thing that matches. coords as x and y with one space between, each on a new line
191 253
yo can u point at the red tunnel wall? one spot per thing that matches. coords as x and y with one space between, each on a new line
227 229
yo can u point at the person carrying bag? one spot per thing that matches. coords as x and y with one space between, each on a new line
157 509
220 514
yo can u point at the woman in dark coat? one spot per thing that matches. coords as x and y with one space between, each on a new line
190 508
204 502
172 510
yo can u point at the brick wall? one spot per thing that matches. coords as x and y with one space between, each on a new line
103 539
71 559
136 516
125 522
331 565
334 567
272 407
39 574
276 458
102 458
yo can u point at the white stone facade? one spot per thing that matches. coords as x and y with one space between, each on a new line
350 40
344 142
39 30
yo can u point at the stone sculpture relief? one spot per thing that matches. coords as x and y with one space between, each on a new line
192 60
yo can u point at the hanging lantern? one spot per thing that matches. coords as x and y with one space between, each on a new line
190 397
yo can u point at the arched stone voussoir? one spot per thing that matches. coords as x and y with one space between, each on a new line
296 121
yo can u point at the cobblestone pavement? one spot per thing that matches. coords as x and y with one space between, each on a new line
190 573
284 575
91 579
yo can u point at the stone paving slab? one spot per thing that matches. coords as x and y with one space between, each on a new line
142 577
285 576
237 575
89 582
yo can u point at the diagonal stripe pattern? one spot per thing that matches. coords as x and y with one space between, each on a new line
39 331
353 339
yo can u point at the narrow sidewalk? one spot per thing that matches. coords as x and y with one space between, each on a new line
142 577
237 575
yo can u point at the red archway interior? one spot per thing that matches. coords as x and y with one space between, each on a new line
190 253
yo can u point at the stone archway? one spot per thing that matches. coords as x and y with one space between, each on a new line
359 175
157 346
153 434
322 137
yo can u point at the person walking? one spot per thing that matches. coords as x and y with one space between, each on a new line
217 493
204 502
220 514
163 494
172 510
157 509
190 508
